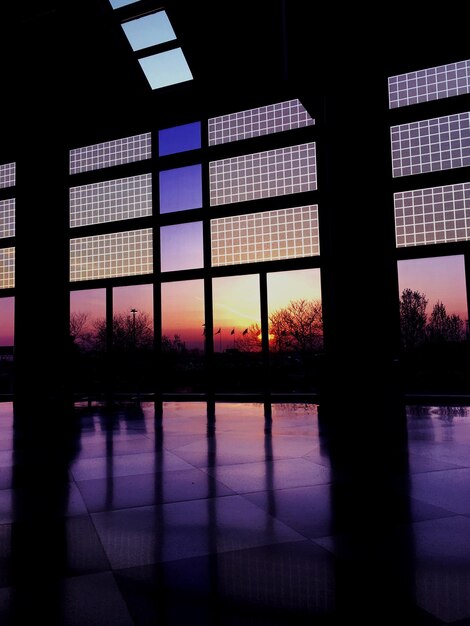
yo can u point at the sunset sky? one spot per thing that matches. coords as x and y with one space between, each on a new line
439 278
236 299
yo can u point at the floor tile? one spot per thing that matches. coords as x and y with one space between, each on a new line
281 474
449 489
147 535
120 492
263 585
127 465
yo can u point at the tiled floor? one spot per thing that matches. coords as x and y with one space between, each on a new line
134 520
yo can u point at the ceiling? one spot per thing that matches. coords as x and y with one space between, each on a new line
68 64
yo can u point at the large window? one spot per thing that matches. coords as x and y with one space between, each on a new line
432 228
157 222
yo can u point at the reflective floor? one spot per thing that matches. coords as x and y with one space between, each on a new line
136 517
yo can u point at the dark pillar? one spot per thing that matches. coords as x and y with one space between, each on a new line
361 401
42 342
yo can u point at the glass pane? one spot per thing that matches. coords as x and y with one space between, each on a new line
7 321
166 68
183 336
110 153
181 247
181 189
295 330
265 120
7 217
237 333
179 139
434 323
265 236
7 268
7 341
435 83
111 255
132 362
149 30
116 4
88 335
111 200
267 174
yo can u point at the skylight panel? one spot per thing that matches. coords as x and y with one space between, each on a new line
117 4
149 30
166 68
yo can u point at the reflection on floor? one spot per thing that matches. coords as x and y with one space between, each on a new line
234 521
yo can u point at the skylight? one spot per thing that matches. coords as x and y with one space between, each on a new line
166 68
117 4
145 34
149 30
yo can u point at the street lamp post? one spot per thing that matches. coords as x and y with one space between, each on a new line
133 311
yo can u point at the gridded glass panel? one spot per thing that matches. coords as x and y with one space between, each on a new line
7 218
433 215
148 30
433 83
273 118
180 189
267 236
7 175
111 200
166 68
431 145
7 268
179 138
111 255
109 153
263 175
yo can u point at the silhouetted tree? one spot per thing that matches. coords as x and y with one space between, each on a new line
80 330
416 329
127 332
413 317
297 327
443 327
456 330
174 345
